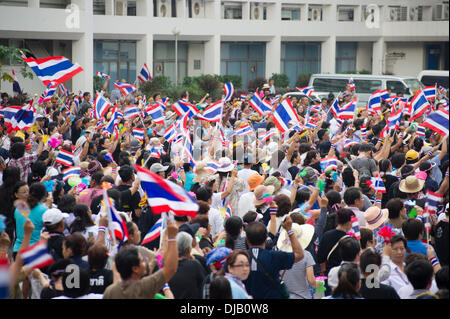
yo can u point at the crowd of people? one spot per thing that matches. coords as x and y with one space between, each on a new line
273 220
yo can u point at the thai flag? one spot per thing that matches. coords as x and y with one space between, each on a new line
378 184
363 132
212 166
183 107
65 158
101 106
116 224
139 133
36 256
49 92
351 84
229 91
63 90
171 132
267 135
164 102
420 131
347 112
286 182
258 104
384 131
228 211
212 113
19 118
432 202
155 153
418 105
71 172
348 143
334 108
384 95
311 124
394 119
244 130
308 90
16 86
5 278
165 196
430 92
329 163
125 88
56 69
131 112
156 113
144 75
243 97
275 99
188 151
114 121
355 227
374 102
442 90
438 122
285 113
153 233
102 75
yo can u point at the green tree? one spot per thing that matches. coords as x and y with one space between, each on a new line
281 80
303 80
13 55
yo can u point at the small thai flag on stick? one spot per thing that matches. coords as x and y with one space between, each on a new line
36 256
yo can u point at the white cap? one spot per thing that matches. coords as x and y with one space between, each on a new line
53 216
157 167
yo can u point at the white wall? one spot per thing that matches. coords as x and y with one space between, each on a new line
411 64
364 56
195 52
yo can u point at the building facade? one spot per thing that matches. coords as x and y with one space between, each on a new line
249 38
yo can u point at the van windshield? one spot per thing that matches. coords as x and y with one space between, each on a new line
413 84
432 80
339 85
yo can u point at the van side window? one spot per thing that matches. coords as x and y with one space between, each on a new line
396 86
367 86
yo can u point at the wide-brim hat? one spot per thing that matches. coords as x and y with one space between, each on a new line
261 192
225 165
411 185
201 172
304 234
375 217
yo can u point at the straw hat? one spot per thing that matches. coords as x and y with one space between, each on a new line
201 172
261 192
411 185
304 234
375 217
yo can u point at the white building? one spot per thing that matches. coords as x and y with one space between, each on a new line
246 37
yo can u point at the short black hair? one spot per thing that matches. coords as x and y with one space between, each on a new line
394 205
256 233
398 238
351 195
126 259
419 273
412 228
343 216
126 173
349 248
203 194
366 236
441 278
369 257
398 159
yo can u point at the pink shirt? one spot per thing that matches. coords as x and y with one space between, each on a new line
87 195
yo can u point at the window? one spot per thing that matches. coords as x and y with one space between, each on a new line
244 59
345 57
231 10
367 86
164 59
396 86
116 58
330 85
197 64
290 13
345 14
298 58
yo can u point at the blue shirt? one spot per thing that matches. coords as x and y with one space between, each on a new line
189 181
237 291
257 283
36 218
416 246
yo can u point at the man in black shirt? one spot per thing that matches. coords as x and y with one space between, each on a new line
129 197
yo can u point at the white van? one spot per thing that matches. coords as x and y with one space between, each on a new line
365 85
431 77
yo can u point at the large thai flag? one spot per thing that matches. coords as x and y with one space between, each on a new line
329 163
101 106
36 256
131 112
125 88
171 132
438 122
212 113
71 172
374 102
19 118
394 120
56 69
433 200
184 107
384 95
283 114
153 233
229 91
156 113
65 158
418 105
347 111
165 196
308 90
244 130
139 133
430 92
144 75
212 166
258 104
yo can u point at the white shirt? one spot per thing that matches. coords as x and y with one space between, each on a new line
360 215
215 220
397 279
88 296
406 291
246 203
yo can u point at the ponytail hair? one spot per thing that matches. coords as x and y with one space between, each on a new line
233 227
384 167
349 277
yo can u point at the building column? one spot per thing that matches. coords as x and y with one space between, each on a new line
273 56
83 50
212 55
182 12
245 10
274 11
33 3
109 7
212 10
144 8
144 53
328 55
378 56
